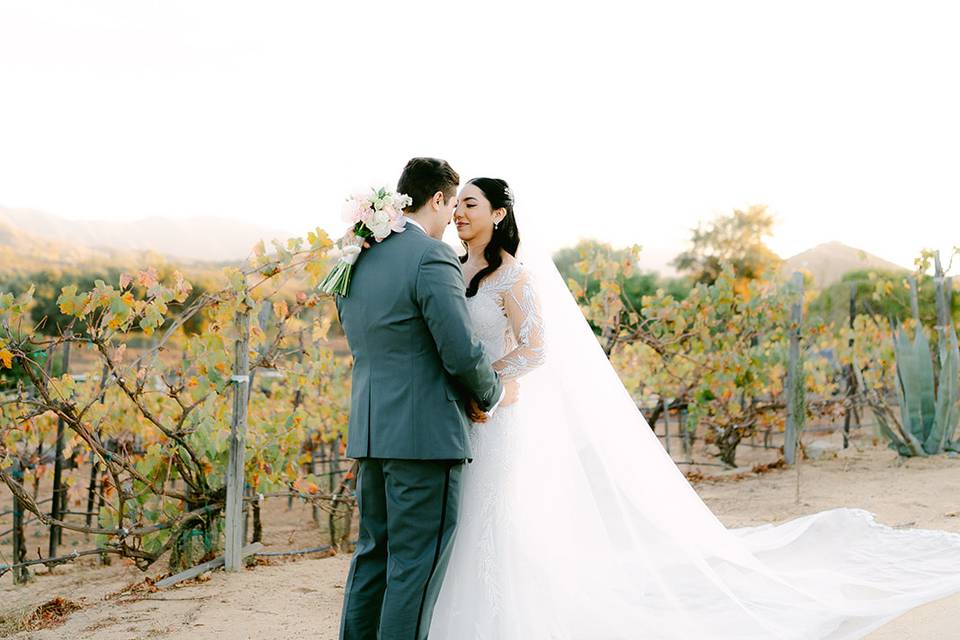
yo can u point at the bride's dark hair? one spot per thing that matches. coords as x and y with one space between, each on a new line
505 236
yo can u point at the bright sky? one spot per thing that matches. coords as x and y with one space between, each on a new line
627 122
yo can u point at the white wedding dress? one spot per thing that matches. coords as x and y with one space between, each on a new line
575 524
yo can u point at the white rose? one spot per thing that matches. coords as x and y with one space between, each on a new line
402 202
379 224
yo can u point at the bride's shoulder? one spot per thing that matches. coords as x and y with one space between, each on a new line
508 261
511 271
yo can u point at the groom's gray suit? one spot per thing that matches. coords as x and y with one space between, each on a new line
414 361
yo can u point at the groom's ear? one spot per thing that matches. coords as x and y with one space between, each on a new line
438 200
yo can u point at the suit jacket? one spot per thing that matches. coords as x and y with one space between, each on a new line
414 354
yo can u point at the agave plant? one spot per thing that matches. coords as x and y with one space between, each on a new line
929 403
943 436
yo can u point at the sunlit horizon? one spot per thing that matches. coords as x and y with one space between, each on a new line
627 124
654 256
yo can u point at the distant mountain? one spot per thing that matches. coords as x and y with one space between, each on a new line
204 238
21 251
829 261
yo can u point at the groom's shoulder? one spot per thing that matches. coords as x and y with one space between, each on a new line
426 248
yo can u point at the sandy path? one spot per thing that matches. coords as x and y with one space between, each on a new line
298 599
301 598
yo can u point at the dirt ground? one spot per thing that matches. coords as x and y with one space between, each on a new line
300 598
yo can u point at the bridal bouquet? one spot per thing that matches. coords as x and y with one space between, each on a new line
376 214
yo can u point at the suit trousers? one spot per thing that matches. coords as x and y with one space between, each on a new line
408 517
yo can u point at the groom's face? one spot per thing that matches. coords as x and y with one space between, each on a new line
447 209
439 211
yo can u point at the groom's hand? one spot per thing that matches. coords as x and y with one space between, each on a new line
474 412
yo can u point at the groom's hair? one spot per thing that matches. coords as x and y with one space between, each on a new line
423 177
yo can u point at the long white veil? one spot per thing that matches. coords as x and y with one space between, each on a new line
611 541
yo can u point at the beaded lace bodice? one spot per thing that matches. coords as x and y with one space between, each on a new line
506 319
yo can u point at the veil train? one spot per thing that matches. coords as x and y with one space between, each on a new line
611 541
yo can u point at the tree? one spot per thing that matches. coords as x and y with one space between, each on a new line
736 239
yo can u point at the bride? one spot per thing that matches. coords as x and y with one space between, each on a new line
576 524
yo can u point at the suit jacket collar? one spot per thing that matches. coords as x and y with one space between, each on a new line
416 225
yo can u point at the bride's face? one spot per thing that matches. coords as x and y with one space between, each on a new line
474 216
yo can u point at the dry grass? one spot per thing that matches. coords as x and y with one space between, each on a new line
51 613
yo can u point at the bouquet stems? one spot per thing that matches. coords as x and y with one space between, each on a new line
337 282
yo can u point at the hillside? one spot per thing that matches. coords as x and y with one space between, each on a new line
22 252
203 238
829 261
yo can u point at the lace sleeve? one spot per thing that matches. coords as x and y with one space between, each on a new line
523 312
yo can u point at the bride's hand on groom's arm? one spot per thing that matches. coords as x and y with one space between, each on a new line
512 392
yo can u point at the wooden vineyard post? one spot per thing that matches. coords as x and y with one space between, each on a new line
94 460
914 299
104 557
948 292
685 431
92 489
796 317
666 428
349 485
850 377
313 470
233 560
20 574
333 467
57 504
255 505
247 504
297 398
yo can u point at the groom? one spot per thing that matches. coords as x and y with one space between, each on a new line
414 358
